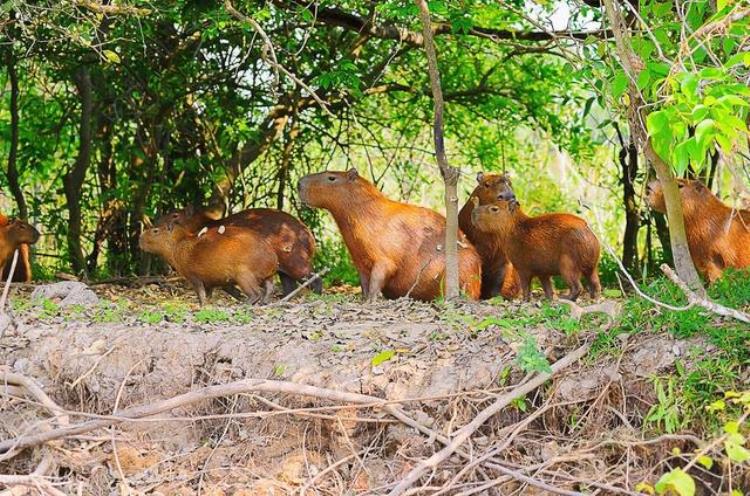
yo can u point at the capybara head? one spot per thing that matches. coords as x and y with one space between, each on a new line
331 189
694 194
161 240
495 217
493 187
188 215
20 232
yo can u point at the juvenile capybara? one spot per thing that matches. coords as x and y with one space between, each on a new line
544 246
23 266
718 236
14 235
498 274
219 257
291 240
397 248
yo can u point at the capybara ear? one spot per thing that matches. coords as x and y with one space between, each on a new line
507 179
189 210
480 176
352 174
475 200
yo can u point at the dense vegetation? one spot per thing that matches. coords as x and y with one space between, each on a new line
113 113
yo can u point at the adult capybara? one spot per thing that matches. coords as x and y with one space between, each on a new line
718 236
498 274
23 266
14 235
397 248
219 257
544 246
291 240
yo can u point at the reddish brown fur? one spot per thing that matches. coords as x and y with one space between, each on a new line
14 235
395 246
213 259
544 246
718 235
498 274
290 239
23 266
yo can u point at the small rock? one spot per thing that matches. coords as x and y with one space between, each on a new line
68 292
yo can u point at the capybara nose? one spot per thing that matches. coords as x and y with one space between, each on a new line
507 195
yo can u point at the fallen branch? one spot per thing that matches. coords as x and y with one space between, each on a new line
694 299
209 392
610 308
465 432
310 280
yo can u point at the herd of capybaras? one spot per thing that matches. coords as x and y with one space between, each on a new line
398 248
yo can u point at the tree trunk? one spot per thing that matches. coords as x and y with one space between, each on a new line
450 174
628 157
73 179
286 158
680 251
13 179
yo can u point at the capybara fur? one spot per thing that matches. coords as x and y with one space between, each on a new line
292 241
498 275
23 265
397 248
15 235
544 246
718 236
219 257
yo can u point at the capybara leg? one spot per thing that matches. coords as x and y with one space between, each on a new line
267 290
713 272
378 276
249 285
234 292
201 290
317 284
574 283
525 280
492 282
364 283
288 283
593 285
546 281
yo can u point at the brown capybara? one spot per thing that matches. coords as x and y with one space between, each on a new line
544 246
718 236
14 235
498 275
292 241
397 248
217 257
23 266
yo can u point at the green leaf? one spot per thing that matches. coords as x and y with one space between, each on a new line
382 357
736 452
677 481
706 461
657 122
643 79
619 84
703 131
111 56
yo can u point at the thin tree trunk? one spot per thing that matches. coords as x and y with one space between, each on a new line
450 174
13 178
680 251
73 179
628 157
284 166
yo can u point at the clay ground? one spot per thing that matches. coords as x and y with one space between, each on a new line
441 364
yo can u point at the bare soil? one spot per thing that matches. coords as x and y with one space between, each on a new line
441 363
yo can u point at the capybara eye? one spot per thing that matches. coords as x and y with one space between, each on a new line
487 185
494 209
331 178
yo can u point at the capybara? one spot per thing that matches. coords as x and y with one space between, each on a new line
718 236
397 248
217 257
292 241
544 246
498 274
14 235
23 266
